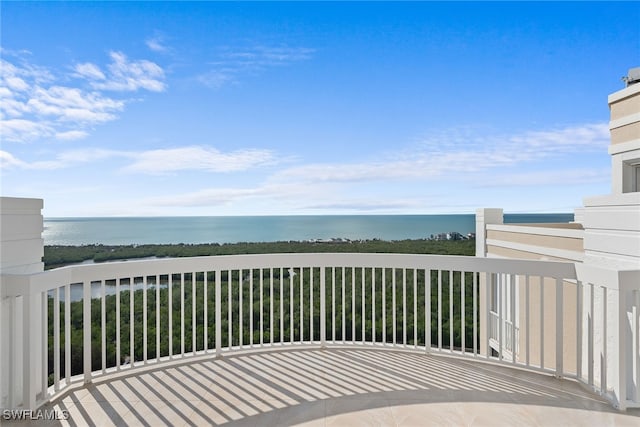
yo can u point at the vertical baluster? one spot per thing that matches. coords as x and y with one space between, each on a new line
182 314
487 325
393 305
86 330
404 307
251 307
451 310
205 310
622 346
144 319
229 309
323 307
310 306
636 343
475 313
373 305
333 304
170 312
12 343
463 278
281 307
527 320
439 309
132 352
67 333
44 325
157 318
427 311
291 274
103 326
603 366
344 308
541 322
301 305
240 316
501 310
118 349
193 313
514 346
415 308
590 333
218 312
261 307
56 340
384 306
362 321
271 306
353 304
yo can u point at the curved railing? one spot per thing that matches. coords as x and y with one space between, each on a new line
84 321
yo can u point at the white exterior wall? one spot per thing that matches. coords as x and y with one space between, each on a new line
21 251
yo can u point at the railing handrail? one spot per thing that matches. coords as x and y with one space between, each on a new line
40 282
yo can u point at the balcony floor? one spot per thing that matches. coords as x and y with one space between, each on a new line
333 387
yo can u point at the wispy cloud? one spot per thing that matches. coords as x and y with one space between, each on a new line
157 43
570 176
36 104
231 63
455 153
124 75
198 158
153 162
211 197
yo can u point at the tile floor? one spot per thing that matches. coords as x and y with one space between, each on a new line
333 387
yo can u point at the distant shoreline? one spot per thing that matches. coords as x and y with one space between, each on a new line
197 230
61 255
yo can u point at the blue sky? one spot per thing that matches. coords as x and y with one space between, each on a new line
208 108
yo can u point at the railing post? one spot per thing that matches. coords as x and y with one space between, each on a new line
622 352
323 309
559 328
86 329
29 354
218 302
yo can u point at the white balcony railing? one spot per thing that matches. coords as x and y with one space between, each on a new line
57 334
505 328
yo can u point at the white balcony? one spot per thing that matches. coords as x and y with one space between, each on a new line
320 338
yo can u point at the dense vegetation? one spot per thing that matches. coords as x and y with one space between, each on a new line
291 288
57 256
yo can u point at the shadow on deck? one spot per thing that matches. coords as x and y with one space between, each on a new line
336 386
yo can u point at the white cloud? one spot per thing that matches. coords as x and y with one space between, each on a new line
71 135
89 71
72 104
156 44
33 105
7 160
458 152
209 197
125 75
20 130
198 158
65 159
154 162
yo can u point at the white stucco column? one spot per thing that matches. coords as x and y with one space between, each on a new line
21 251
486 216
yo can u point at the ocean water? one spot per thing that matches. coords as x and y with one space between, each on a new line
166 230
